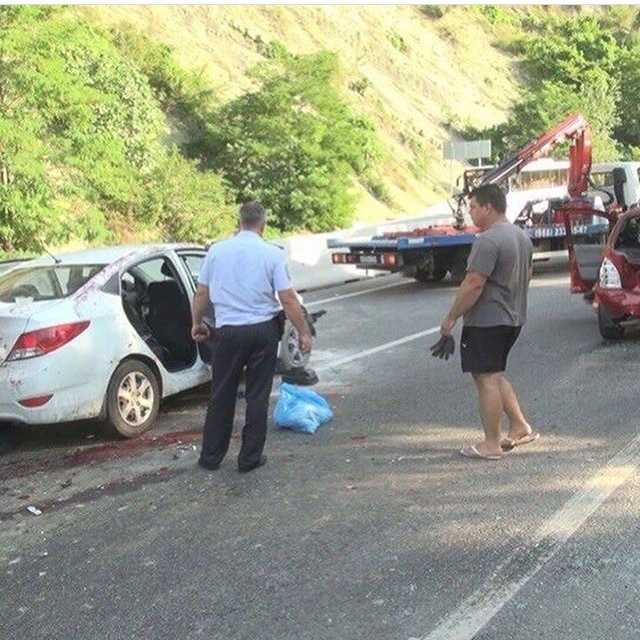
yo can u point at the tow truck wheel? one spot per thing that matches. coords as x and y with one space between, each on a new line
422 275
609 328
459 265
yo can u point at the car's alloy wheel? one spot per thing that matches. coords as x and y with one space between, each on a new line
133 399
290 354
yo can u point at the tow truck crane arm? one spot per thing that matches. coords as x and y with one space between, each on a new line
574 128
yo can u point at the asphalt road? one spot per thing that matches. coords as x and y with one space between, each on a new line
375 527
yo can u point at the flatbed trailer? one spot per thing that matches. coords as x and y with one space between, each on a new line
429 253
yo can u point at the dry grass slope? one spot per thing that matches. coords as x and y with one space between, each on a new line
420 73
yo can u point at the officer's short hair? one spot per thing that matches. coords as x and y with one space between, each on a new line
490 194
252 214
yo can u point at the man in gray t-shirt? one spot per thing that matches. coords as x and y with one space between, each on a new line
492 299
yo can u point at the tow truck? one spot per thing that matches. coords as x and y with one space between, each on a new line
430 253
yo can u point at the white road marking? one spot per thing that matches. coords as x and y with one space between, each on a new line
509 577
507 580
535 282
356 293
369 352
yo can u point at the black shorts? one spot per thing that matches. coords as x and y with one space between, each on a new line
485 349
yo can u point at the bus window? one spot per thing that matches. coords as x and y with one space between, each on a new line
540 178
602 178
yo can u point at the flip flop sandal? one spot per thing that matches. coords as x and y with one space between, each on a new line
508 445
472 452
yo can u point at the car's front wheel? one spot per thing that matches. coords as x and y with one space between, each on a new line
609 328
289 353
133 399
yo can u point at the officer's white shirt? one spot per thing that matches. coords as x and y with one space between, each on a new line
243 274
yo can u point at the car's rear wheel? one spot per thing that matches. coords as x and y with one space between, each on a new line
609 328
133 400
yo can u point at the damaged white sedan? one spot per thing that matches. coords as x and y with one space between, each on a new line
105 333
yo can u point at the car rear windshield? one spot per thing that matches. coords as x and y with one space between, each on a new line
7 264
45 282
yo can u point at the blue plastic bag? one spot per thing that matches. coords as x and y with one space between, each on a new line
301 409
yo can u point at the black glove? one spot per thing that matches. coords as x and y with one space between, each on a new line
443 348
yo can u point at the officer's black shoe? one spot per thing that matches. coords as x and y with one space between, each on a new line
255 465
209 466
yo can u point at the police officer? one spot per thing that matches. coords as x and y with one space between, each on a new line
244 276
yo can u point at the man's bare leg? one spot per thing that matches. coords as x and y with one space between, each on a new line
519 427
491 408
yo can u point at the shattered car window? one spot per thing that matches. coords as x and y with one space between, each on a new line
45 282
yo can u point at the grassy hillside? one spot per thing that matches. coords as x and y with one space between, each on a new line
139 122
412 73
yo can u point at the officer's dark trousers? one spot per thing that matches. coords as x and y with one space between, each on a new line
255 347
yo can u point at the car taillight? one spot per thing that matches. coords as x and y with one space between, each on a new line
41 341
38 401
609 275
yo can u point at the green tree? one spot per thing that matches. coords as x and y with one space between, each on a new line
627 129
565 51
294 144
192 204
541 109
83 146
574 66
27 220
182 94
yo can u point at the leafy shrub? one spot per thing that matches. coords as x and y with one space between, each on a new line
398 42
627 128
377 188
192 204
494 14
434 11
360 85
183 94
275 50
294 144
84 151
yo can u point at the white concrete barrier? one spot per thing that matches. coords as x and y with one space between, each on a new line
310 260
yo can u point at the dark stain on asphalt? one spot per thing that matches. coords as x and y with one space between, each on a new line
97 453
117 488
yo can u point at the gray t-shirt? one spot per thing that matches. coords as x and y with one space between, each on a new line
503 253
